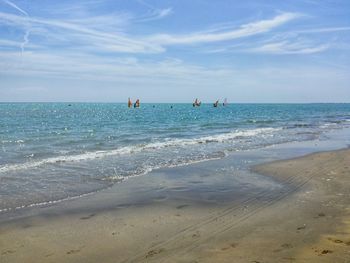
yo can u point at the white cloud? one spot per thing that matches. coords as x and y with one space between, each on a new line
27 31
9 43
323 30
85 35
82 32
243 31
16 7
286 47
131 76
286 42
164 12
155 14
25 40
95 68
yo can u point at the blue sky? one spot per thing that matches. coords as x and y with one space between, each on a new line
173 51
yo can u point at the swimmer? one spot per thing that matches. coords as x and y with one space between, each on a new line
196 103
137 104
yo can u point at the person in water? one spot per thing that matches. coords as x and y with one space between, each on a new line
196 103
137 103
216 103
129 103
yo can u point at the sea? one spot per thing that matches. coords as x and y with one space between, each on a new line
51 152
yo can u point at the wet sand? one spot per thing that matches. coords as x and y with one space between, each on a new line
307 219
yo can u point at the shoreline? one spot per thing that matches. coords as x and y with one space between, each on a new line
338 139
299 222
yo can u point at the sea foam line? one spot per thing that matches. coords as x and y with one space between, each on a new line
51 202
219 138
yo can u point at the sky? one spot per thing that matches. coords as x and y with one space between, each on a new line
174 51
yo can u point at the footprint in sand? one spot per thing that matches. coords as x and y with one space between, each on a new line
70 252
338 241
326 251
154 252
74 251
8 252
323 252
301 227
233 245
87 217
196 235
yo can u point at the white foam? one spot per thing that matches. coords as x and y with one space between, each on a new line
51 202
148 169
9 141
328 125
219 138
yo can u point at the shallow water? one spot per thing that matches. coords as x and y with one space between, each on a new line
53 151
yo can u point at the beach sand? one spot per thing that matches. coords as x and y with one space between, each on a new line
307 220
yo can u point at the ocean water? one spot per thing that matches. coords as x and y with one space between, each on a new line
56 151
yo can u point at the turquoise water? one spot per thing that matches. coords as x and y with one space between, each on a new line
54 151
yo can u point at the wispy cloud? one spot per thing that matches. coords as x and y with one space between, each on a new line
286 47
297 42
27 30
243 31
128 74
300 41
92 67
15 7
9 43
115 22
86 35
164 12
25 40
75 66
323 30
153 13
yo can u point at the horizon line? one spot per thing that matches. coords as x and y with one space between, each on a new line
187 102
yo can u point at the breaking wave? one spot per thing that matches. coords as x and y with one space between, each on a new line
217 138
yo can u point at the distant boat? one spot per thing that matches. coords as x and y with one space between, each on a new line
129 103
225 102
216 103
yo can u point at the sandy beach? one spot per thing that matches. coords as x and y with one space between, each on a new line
306 220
